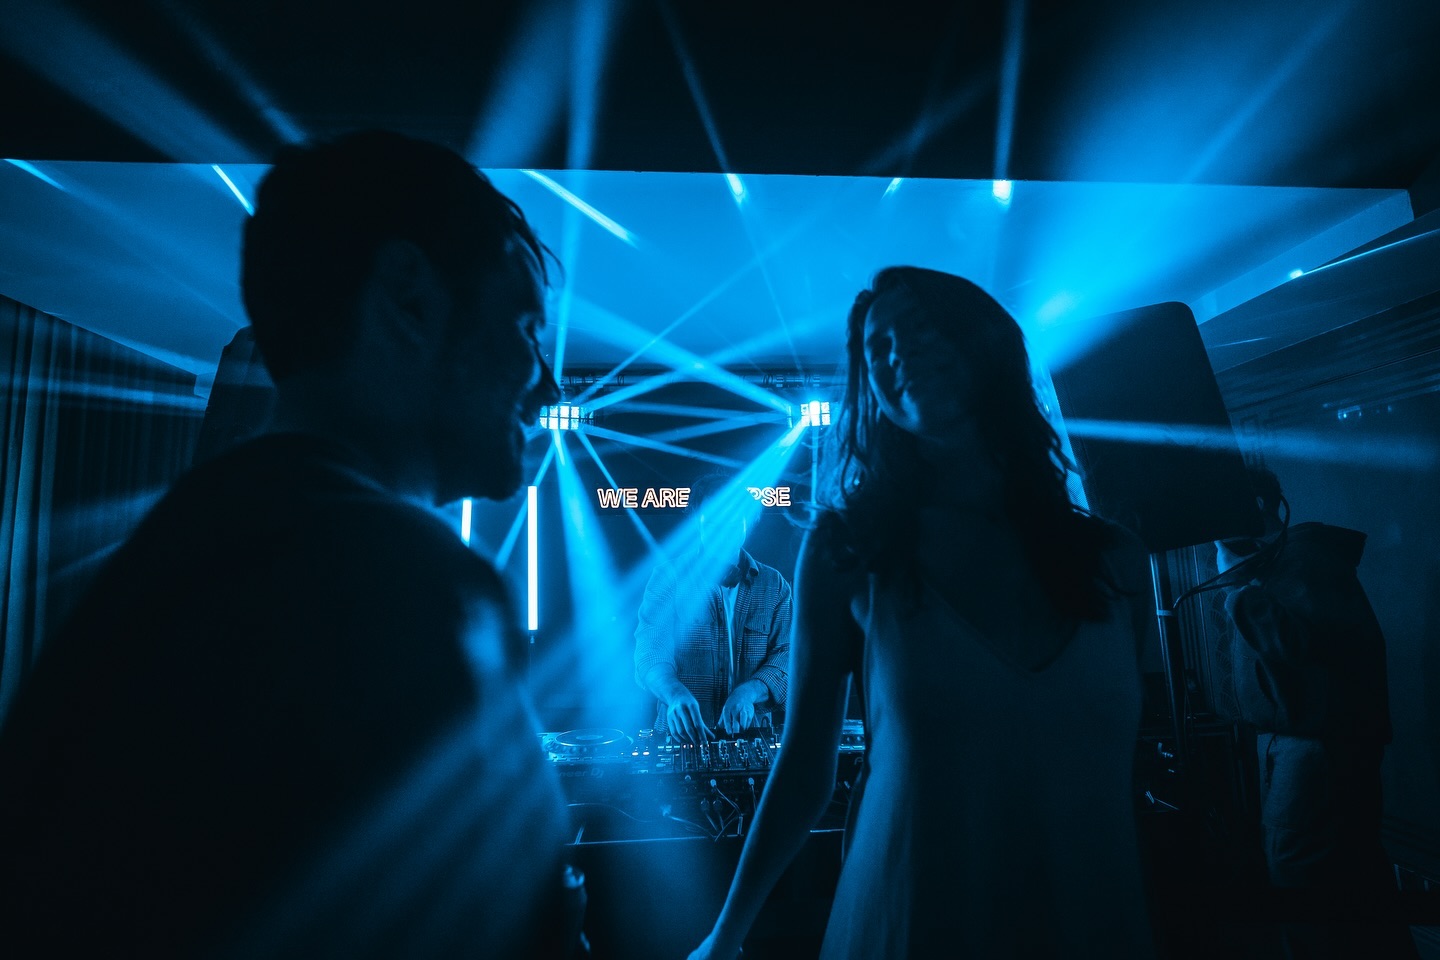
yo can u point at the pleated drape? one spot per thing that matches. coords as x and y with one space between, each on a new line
94 433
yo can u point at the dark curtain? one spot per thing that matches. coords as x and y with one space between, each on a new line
94 433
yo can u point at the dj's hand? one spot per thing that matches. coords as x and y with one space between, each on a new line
682 716
739 710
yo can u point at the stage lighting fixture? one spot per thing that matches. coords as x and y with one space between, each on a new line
1001 190
565 416
813 413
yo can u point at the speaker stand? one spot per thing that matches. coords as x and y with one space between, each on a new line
1172 660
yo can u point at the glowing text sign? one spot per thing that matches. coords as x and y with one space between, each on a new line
662 498
614 498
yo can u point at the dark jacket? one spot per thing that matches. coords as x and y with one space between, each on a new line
1307 654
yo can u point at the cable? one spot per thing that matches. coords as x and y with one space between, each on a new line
724 822
1247 569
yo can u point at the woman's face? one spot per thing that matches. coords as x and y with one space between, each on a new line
919 377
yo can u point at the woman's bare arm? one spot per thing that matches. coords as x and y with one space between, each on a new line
803 779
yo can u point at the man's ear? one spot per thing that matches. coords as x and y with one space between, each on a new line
404 296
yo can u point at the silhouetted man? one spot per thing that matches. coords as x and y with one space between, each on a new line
713 641
286 719
1307 664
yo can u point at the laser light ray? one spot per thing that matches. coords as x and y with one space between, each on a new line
1297 55
646 442
589 48
609 225
680 410
737 187
63 47
697 93
734 422
634 516
613 328
697 369
35 172
1416 453
430 848
592 659
233 189
228 68
740 351
1009 93
592 573
502 556
523 106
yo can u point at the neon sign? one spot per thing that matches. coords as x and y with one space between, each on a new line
771 496
675 498
614 498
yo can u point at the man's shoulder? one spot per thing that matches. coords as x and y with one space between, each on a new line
290 503
767 577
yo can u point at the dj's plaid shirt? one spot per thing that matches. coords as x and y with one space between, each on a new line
682 623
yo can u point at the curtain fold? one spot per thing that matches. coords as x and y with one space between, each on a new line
94 433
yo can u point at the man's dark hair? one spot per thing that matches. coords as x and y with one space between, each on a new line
1267 489
706 488
325 208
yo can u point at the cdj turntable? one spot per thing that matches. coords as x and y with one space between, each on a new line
588 745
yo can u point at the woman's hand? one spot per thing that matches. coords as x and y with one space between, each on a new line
709 950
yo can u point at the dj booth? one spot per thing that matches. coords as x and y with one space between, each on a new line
657 829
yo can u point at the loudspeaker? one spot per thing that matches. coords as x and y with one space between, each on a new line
1151 436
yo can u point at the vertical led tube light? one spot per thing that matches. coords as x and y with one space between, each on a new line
533 573
466 506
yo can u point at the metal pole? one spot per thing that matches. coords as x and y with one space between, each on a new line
1172 658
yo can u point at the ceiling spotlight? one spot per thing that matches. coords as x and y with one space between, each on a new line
565 416
813 413
1001 190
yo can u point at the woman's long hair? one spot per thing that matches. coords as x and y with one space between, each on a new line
875 466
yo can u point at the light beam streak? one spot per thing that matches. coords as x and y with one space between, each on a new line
1416 453
233 189
601 433
35 172
609 225
502 556
634 515
1009 89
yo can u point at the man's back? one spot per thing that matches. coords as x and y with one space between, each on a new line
260 732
